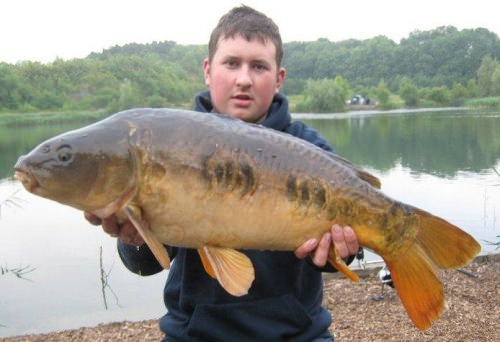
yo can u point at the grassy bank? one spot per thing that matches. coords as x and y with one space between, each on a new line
483 103
43 118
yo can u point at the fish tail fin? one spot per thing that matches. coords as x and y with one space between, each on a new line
447 245
415 278
438 244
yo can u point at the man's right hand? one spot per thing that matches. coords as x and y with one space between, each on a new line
126 231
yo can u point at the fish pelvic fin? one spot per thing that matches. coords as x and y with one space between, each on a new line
232 269
448 246
207 265
340 265
156 247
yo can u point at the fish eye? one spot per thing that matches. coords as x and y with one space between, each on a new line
64 154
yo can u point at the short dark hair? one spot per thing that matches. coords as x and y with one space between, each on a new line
250 24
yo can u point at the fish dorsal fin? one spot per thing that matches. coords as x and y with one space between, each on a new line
156 247
340 265
369 178
364 175
232 269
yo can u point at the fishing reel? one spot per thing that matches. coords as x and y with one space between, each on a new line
384 274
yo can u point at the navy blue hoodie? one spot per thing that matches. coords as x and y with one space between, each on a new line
284 301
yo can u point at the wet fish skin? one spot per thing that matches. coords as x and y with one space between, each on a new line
216 184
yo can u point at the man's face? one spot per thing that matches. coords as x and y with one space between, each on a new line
243 77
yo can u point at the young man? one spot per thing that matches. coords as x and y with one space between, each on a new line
243 73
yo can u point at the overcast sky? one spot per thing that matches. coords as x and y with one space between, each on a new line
43 30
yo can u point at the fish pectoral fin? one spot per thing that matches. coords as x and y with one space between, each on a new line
156 247
340 265
232 269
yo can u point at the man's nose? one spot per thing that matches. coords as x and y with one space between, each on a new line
244 78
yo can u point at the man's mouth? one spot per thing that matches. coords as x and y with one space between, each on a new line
242 100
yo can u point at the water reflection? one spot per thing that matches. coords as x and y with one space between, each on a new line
65 290
468 200
438 143
18 140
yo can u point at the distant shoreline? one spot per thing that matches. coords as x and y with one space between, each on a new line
374 111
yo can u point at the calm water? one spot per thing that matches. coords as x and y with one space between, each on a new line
444 162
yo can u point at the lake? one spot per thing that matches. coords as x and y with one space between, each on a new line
445 162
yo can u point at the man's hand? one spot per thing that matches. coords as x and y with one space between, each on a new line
343 238
126 231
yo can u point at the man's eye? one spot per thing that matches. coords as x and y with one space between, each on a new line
259 67
231 64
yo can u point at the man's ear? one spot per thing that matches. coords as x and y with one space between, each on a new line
206 71
280 78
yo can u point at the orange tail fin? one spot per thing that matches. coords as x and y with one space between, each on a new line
439 244
447 245
416 280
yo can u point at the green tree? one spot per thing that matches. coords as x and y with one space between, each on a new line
458 94
129 95
168 74
458 91
484 76
383 94
471 88
439 95
495 81
326 95
409 94
9 87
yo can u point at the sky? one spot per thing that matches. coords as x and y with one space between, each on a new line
42 31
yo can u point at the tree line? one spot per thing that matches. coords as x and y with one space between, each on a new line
443 66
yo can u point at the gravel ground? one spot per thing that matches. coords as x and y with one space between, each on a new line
472 313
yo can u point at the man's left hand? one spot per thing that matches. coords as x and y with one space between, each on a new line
343 238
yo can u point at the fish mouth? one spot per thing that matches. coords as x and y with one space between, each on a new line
27 179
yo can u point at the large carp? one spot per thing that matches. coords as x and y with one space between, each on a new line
217 184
